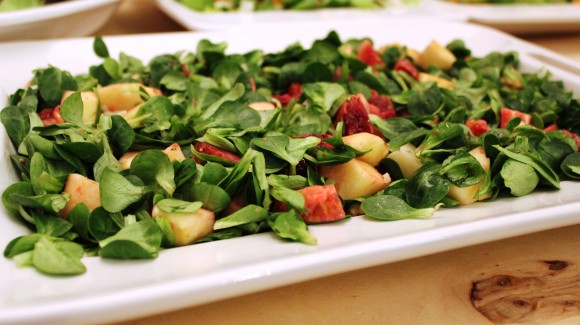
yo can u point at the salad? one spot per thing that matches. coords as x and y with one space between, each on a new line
267 5
132 158
13 5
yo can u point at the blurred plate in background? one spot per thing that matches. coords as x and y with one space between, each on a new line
521 19
64 19
196 20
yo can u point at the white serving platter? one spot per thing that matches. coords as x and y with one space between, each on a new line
182 277
194 20
521 19
63 19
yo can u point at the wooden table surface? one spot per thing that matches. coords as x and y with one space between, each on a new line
532 279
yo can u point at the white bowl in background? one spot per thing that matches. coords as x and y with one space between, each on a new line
59 20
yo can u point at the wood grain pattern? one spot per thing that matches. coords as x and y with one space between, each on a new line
541 291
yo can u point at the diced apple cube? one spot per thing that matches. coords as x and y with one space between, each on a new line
436 55
123 96
406 158
366 141
127 158
262 106
81 189
131 116
355 179
413 54
90 105
187 226
466 195
174 152
441 82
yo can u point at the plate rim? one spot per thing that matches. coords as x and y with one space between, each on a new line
51 11
487 13
204 21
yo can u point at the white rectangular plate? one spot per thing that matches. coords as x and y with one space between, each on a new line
118 290
195 20
515 18
63 19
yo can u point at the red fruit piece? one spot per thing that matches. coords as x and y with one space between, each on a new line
337 74
236 204
284 99
551 128
210 149
367 54
508 114
252 84
574 136
354 113
408 67
477 127
294 92
45 113
57 116
381 105
184 70
322 204
50 116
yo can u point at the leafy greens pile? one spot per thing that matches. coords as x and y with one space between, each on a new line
13 5
268 5
251 167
